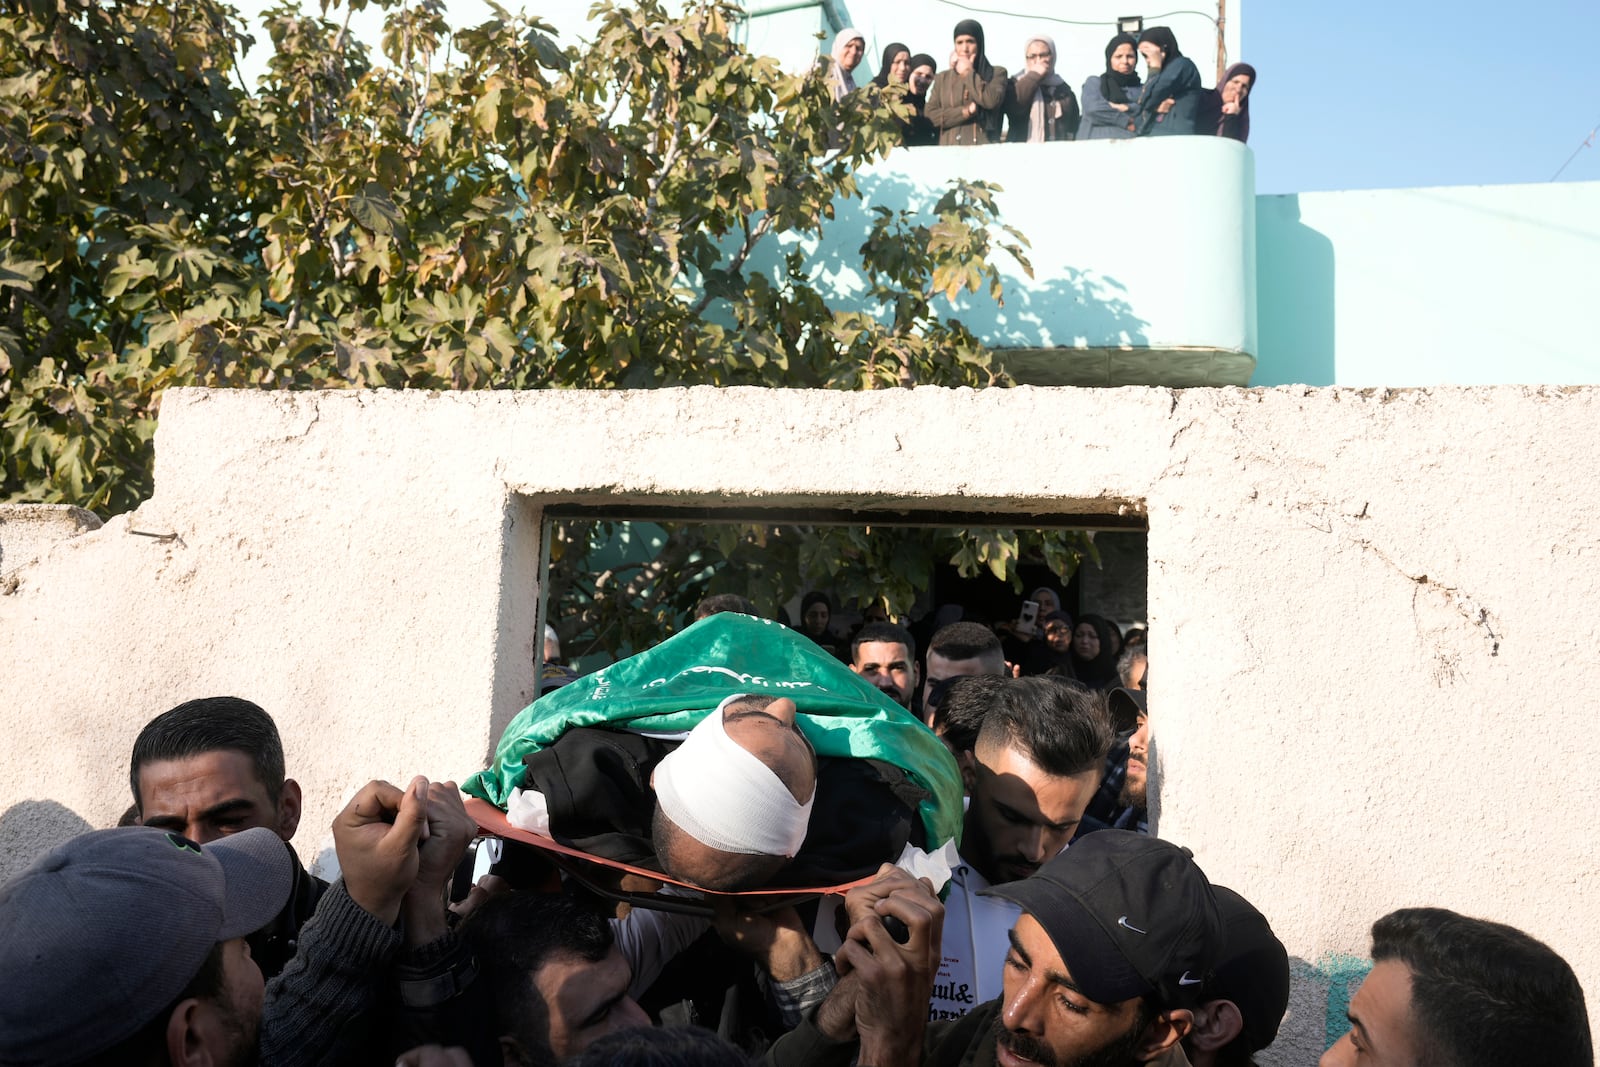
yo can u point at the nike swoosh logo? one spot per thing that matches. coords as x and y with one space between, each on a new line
1123 922
1186 980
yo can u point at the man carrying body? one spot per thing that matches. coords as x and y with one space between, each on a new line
1106 965
213 767
129 945
958 650
886 655
1458 992
1038 759
1248 993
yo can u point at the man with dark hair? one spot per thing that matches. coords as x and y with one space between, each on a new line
958 650
1106 967
1122 801
959 717
1449 990
1038 759
886 655
717 603
1248 993
213 767
554 974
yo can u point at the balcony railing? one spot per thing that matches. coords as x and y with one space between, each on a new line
1143 255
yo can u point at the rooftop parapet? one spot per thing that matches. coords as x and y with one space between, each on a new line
1143 255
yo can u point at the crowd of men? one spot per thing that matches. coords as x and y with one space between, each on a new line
1057 932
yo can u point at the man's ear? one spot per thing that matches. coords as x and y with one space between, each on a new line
1164 1031
189 1034
1216 1024
288 809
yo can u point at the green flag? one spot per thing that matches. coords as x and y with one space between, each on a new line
671 687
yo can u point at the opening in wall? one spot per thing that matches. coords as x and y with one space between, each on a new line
622 579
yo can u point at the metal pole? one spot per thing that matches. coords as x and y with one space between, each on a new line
1222 43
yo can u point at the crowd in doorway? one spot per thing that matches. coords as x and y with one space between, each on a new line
973 101
750 843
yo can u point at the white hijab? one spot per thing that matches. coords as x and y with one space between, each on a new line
1036 113
844 80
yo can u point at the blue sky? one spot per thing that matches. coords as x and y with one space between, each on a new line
1357 94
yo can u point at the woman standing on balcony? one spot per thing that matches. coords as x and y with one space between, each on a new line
1225 110
1040 105
1109 99
920 132
967 102
848 48
1172 92
895 68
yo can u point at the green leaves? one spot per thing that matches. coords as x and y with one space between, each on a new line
513 212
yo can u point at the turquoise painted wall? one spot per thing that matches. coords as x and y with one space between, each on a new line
1470 285
1146 243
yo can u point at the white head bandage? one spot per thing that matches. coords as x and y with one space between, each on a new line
722 796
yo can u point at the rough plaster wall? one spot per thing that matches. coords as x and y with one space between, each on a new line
28 530
1373 609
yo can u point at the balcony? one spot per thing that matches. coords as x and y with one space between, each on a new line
1143 256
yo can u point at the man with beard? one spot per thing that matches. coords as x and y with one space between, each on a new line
1107 962
1122 800
886 655
1039 758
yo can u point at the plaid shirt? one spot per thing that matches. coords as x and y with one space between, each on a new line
1106 810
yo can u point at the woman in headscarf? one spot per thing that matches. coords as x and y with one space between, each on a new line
920 132
1172 89
1109 99
848 48
1225 110
816 618
895 68
1094 652
967 102
1040 105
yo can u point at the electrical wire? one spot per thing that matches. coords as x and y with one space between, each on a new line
1587 142
1069 22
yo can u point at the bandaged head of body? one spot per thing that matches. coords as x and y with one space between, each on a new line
727 818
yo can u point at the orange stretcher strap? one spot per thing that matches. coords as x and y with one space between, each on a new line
492 821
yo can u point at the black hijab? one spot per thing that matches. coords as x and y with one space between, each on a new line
973 28
1164 38
921 59
881 79
1113 83
1100 672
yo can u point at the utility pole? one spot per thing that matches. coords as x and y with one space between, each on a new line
1222 44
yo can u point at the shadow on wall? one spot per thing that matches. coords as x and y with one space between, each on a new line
1294 297
30 828
1061 306
1319 995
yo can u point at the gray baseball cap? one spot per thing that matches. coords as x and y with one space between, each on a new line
105 931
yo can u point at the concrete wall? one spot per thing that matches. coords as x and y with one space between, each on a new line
1373 610
1122 256
1472 285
